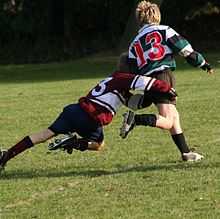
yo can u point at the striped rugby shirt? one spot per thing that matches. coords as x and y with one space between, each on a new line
104 100
154 47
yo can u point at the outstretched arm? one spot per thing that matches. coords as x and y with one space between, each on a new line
197 60
181 46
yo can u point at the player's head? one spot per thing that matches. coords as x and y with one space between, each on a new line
147 13
123 64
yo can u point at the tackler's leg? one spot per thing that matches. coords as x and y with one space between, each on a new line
128 123
131 120
26 143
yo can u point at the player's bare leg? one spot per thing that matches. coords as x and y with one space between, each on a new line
165 117
41 136
170 111
26 143
168 118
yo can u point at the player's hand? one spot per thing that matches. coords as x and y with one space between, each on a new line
210 71
172 94
207 67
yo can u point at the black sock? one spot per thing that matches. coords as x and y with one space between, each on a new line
146 119
180 142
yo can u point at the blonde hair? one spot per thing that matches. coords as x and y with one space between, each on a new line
147 13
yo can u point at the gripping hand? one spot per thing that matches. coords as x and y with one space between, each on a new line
207 67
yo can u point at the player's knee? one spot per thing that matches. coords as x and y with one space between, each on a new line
173 119
176 116
172 116
169 124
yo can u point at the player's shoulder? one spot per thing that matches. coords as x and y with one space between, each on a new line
161 27
165 28
146 29
151 28
168 30
122 74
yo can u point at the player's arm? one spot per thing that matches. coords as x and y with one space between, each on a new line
134 101
197 60
133 65
145 84
125 82
132 60
138 101
181 46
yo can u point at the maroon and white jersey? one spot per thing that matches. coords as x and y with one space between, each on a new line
103 101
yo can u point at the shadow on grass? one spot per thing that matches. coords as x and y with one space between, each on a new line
79 69
97 173
91 67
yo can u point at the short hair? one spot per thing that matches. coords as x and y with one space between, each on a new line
147 13
123 64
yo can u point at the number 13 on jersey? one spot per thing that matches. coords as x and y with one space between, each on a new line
154 53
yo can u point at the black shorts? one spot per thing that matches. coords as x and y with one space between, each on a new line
75 119
150 96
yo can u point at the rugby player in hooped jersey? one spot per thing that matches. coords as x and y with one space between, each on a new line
91 113
152 53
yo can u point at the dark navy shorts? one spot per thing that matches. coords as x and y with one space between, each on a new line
75 119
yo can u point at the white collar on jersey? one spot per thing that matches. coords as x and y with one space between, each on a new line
145 26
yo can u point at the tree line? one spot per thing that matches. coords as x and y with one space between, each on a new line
48 30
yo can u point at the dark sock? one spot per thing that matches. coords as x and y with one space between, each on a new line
146 119
21 146
180 142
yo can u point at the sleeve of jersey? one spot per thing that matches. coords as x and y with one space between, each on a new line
131 52
181 46
132 60
144 83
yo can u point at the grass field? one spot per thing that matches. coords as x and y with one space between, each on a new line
141 177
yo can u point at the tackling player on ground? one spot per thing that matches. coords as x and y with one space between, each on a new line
152 53
91 113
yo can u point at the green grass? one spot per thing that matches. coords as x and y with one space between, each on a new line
138 178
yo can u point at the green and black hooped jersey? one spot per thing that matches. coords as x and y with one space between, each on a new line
154 47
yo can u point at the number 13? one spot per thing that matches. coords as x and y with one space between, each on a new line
157 51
